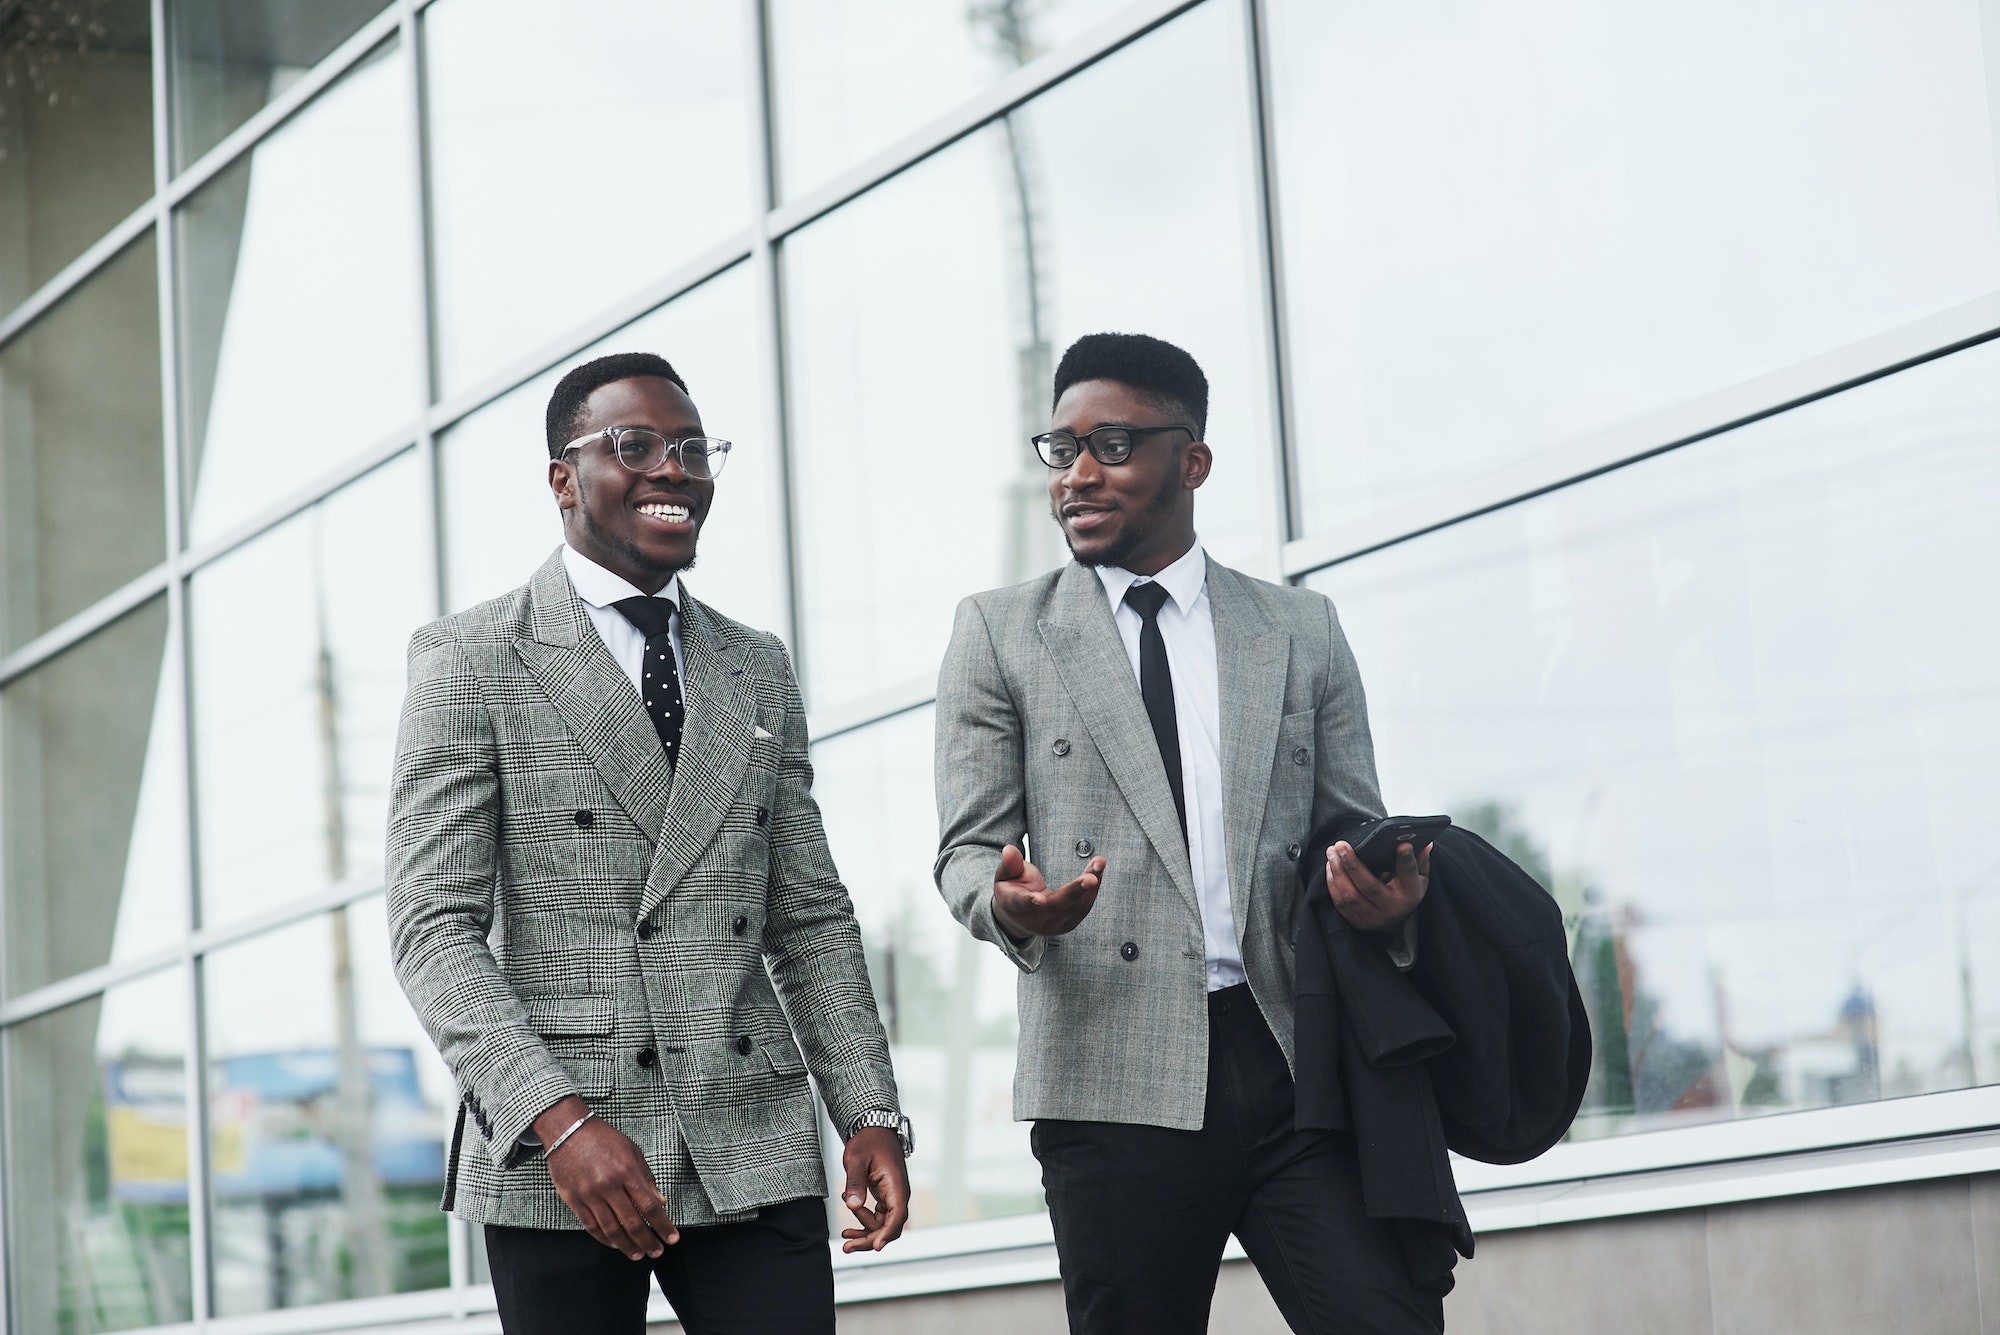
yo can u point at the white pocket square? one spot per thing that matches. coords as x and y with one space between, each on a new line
759 734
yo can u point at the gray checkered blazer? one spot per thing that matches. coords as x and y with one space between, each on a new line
1042 737
570 917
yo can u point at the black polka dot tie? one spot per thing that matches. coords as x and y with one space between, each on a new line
659 676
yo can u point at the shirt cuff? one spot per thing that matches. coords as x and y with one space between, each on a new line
1403 944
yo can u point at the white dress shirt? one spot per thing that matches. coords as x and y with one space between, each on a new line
599 589
1188 627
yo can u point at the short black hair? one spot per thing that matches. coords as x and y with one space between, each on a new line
565 414
1161 373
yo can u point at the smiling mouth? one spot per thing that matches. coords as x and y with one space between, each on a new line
1086 514
665 511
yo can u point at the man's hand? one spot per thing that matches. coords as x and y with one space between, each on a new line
1370 903
1024 905
603 1179
874 1162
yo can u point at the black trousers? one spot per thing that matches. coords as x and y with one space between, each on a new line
772 1275
1142 1213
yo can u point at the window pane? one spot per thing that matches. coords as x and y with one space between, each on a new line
328 1114
298 299
947 1000
500 521
921 355
1733 706
96 818
854 76
82 489
76 131
578 158
231 57
1510 225
98 1164
298 643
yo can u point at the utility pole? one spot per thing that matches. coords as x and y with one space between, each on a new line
366 1214
1028 546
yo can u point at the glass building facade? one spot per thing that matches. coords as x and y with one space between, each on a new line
1626 375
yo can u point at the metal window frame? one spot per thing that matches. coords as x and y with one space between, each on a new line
1892 1140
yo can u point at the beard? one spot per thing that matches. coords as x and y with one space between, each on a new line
1158 510
624 546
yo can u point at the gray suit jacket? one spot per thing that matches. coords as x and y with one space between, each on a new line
570 917
1042 736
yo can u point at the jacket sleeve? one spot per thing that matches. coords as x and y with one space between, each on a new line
812 943
442 859
1345 790
981 783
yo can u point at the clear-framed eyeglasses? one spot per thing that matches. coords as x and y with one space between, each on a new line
1107 444
642 450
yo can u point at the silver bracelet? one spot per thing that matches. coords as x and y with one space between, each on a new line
567 1134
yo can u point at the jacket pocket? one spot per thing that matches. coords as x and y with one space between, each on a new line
577 1031
566 1016
783 1055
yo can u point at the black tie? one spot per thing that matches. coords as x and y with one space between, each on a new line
1156 687
659 677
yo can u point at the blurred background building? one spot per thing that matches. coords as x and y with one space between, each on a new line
1623 372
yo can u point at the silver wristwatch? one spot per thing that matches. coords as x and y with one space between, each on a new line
894 1121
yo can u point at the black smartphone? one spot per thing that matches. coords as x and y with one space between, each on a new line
1375 843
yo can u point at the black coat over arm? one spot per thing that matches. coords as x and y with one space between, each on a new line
1482 1047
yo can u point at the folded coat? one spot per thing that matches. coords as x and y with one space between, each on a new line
1482 1047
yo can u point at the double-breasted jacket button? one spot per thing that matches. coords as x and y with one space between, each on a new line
584 819
1084 848
1301 756
741 925
1292 851
1129 951
1061 746
648 1058
647 931
743 1045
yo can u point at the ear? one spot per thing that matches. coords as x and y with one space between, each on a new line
562 482
1196 460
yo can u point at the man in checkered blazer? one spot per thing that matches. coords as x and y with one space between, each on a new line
605 870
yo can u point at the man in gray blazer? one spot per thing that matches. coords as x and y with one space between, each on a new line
1160 732
605 868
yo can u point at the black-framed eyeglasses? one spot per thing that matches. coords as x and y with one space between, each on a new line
642 450
1107 444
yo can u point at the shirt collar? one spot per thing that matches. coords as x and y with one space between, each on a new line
1183 580
600 588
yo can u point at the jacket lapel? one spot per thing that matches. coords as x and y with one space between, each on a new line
720 709
1082 640
1252 657
562 651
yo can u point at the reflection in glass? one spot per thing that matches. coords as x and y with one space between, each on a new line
231 57
1733 707
1507 226
500 522
921 355
82 501
947 1000
327 1110
298 643
579 158
95 833
98 1162
851 77
76 131
298 328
